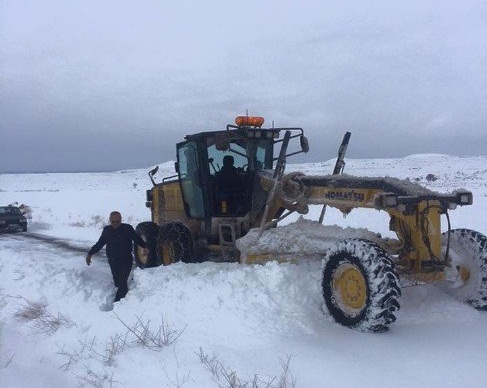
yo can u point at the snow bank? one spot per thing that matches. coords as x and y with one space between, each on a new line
247 316
301 240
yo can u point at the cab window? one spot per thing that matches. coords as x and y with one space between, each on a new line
190 180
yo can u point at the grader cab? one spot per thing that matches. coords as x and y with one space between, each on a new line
231 189
216 196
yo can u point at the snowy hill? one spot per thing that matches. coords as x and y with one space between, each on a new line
220 321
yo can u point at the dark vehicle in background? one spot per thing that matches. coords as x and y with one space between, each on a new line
12 219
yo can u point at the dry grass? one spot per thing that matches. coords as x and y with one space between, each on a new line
45 322
150 336
225 377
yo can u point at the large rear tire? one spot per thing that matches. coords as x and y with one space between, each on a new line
360 286
174 244
468 253
148 231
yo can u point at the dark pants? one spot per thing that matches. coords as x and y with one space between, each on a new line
120 272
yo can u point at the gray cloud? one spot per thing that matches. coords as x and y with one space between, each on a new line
114 85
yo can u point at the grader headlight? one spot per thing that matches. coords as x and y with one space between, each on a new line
386 200
391 200
464 198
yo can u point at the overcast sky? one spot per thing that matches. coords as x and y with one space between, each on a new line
109 85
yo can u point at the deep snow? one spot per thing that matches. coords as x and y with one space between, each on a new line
251 317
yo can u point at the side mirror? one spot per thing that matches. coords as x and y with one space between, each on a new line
303 140
152 173
176 167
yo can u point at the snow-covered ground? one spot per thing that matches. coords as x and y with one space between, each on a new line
220 321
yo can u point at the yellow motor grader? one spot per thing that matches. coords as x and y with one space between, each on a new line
230 190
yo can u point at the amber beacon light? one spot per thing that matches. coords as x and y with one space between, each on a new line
249 121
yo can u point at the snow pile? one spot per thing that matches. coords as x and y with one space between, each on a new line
302 240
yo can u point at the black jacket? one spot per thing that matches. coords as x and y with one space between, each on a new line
118 242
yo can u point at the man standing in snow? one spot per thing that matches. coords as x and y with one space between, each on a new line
118 238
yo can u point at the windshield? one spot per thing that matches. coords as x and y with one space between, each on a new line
239 154
9 210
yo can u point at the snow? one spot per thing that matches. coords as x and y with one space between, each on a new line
303 238
251 318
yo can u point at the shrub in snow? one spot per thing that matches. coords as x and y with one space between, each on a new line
143 333
225 377
45 321
98 380
74 355
140 333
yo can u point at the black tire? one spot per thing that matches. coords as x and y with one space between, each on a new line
174 244
24 228
468 252
360 286
148 231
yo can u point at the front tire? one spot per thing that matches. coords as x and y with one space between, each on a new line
174 244
360 286
468 253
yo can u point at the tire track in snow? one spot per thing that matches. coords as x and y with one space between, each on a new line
64 244
42 266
